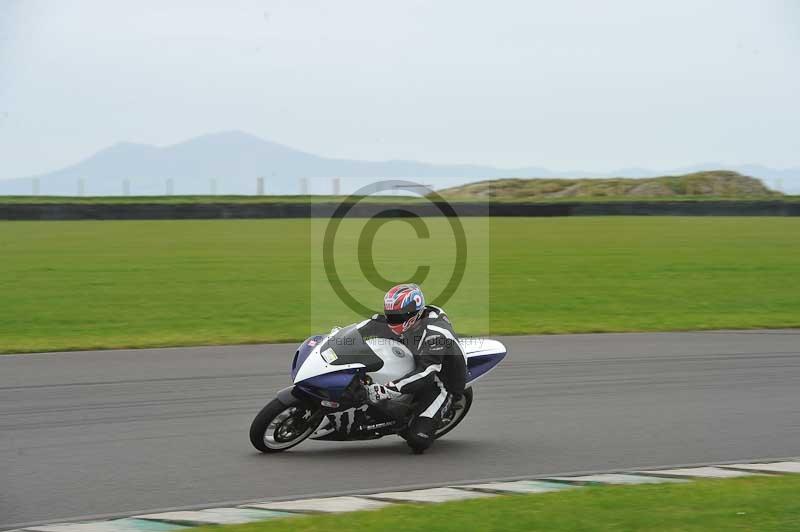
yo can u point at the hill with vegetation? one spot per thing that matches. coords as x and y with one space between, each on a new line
709 184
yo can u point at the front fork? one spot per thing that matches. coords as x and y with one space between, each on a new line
291 395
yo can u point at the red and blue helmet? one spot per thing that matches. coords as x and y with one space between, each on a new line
403 305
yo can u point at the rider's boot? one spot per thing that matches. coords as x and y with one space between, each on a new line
420 434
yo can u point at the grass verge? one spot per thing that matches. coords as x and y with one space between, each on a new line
91 285
746 504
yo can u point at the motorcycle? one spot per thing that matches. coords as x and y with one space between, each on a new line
328 398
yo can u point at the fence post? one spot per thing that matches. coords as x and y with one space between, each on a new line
260 186
304 186
35 184
81 187
337 185
126 187
170 187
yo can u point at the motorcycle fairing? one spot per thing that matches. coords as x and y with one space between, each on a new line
346 352
303 352
398 360
346 425
381 359
482 355
314 364
328 386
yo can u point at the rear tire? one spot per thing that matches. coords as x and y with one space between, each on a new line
279 427
466 403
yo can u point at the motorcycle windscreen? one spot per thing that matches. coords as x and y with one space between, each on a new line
347 346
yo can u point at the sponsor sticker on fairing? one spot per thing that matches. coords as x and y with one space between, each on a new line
328 356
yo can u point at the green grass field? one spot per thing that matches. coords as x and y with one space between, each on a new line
85 285
757 504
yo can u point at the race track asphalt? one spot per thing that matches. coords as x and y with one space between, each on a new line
116 432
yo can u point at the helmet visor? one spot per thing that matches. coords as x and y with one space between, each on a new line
396 318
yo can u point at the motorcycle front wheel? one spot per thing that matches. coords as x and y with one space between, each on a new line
279 427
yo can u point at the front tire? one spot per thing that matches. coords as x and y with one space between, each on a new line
279 427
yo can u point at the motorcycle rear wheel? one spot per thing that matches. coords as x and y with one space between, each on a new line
465 402
279 427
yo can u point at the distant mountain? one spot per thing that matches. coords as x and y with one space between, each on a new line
233 160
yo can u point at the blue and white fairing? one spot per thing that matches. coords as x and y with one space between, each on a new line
482 355
305 374
329 362
324 365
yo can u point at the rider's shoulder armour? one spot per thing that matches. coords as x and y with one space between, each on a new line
436 316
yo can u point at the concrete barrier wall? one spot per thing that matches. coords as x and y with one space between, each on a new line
153 211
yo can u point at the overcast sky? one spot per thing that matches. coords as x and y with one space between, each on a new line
567 85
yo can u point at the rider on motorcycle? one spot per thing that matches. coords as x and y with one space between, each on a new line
440 372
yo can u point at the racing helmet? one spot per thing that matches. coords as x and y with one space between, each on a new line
403 305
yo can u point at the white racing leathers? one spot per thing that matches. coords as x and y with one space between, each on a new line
439 372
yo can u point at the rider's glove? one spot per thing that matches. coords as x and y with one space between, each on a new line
379 392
